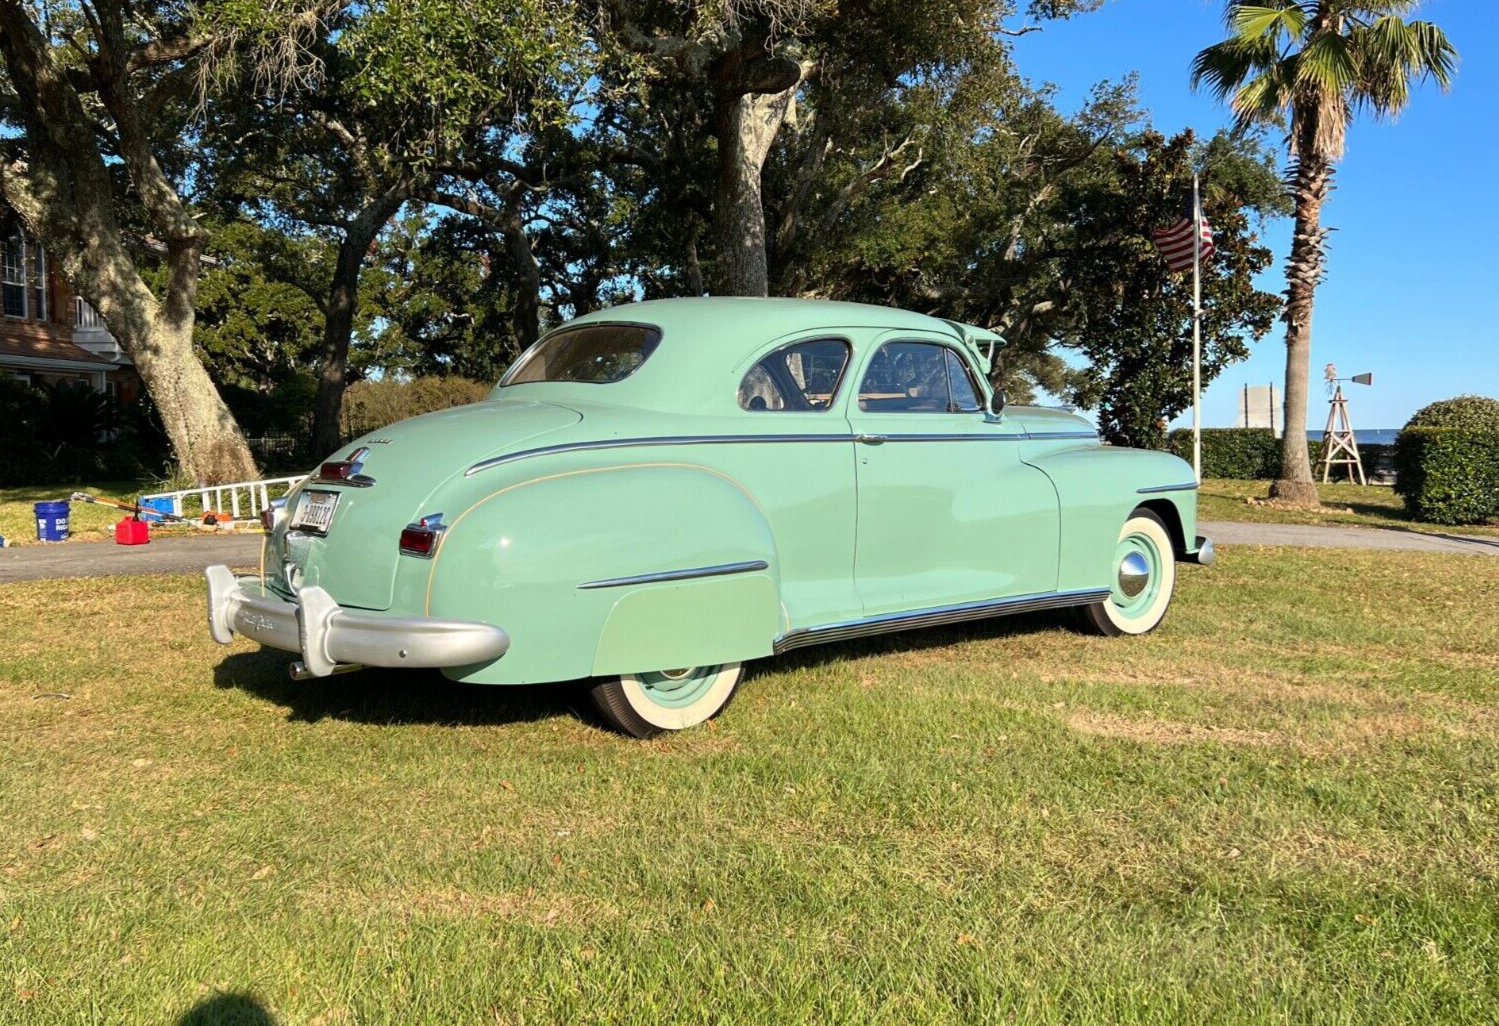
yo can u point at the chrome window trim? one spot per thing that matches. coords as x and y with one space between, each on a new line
1153 489
848 361
935 617
720 570
573 326
916 340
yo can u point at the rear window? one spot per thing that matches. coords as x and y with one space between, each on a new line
594 353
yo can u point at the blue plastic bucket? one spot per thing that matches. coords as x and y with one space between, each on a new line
161 505
51 521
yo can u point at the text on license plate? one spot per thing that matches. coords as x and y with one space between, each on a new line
315 511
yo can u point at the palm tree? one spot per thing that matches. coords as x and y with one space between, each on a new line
1321 61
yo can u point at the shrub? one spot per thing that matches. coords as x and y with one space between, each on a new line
52 436
1473 412
1447 461
1231 452
370 405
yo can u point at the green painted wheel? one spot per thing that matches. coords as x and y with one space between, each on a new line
1142 580
643 704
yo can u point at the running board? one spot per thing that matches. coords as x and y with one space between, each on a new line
940 616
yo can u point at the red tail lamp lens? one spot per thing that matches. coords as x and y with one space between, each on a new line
418 541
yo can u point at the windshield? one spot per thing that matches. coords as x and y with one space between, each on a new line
593 353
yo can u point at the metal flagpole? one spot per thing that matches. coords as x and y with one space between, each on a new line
1196 331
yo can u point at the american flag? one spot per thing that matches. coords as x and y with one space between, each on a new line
1175 242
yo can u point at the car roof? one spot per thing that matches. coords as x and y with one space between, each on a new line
761 318
704 341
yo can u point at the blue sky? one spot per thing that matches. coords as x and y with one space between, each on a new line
1412 290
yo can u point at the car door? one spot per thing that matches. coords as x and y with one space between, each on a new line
798 464
947 512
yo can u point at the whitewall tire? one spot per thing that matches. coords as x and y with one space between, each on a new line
644 704
1141 582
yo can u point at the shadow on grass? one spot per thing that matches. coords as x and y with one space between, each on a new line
918 640
427 697
398 696
227 1010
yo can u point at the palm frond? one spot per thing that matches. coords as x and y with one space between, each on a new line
1255 21
1326 64
1391 55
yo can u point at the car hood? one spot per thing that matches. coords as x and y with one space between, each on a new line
407 463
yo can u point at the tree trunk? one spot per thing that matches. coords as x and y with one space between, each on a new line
1303 273
527 318
747 126
693 268
65 196
338 319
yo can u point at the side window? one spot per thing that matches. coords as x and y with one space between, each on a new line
803 376
917 377
965 396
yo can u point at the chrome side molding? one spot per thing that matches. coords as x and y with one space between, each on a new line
632 443
936 617
1190 486
670 440
722 569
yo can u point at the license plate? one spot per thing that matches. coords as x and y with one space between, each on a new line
315 512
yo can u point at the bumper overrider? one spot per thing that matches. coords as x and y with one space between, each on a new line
331 638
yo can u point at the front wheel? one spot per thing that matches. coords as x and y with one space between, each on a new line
1143 579
644 704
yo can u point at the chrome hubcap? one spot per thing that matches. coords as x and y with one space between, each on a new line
1134 575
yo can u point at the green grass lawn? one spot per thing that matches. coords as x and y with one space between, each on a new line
1283 807
1371 506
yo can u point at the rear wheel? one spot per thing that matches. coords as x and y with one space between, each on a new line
1142 581
644 704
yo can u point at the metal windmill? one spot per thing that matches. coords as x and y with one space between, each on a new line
1339 447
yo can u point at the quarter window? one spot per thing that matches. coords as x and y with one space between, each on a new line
918 377
803 376
594 353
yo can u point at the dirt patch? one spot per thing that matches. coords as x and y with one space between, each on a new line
1166 732
527 906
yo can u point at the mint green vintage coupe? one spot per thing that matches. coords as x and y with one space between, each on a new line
656 493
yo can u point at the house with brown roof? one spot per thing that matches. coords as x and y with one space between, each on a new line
48 334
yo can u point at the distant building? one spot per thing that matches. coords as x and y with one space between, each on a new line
48 334
1258 409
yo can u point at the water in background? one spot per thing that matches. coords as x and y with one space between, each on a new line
1364 436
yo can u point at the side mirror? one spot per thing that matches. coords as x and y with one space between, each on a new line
997 378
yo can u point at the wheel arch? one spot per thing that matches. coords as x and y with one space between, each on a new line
1171 517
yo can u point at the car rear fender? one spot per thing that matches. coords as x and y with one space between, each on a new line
612 569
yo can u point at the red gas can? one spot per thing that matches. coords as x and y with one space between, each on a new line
132 532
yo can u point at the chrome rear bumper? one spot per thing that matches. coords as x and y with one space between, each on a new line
329 636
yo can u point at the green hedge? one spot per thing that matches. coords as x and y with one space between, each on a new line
1254 454
1448 475
1231 452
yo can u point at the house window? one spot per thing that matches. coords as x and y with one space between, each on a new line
23 278
13 275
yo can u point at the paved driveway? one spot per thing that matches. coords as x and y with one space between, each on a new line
1225 532
101 559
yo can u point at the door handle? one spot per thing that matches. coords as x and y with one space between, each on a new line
869 439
